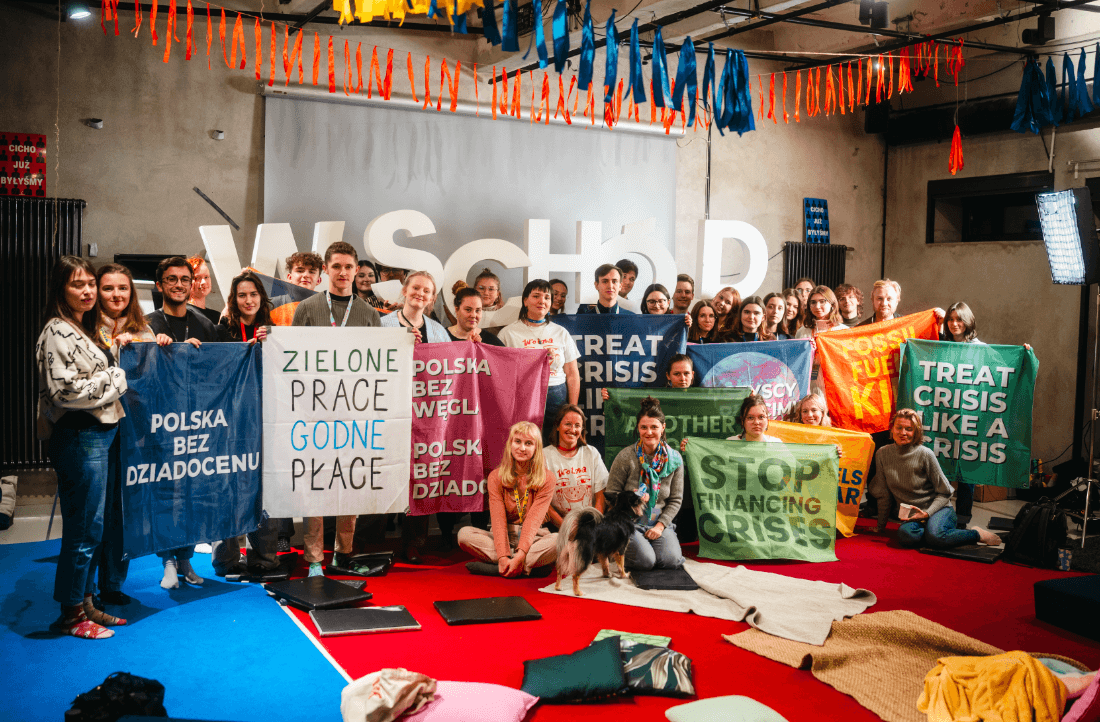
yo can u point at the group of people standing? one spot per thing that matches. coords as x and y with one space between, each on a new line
545 473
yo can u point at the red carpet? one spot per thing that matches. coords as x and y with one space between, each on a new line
993 603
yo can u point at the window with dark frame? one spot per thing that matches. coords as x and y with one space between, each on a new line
991 208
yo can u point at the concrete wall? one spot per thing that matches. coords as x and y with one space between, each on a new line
1007 284
137 173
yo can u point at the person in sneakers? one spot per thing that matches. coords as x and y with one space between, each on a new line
247 320
907 473
80 385
181 322
336 306
519 491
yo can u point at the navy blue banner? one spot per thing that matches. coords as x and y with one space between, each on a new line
190 444
777 370
621 351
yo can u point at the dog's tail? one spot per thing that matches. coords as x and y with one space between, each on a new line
583 521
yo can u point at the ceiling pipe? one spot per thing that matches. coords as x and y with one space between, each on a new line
863 29
772 20
887 47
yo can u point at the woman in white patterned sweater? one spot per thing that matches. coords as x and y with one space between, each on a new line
78 412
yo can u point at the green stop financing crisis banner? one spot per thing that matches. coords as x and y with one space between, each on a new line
759 500
975 401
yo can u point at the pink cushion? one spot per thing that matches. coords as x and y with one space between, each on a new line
1087 706
474 702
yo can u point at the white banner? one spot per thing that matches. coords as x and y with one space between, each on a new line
337 420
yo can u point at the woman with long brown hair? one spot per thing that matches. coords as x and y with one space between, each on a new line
78 412
747 324
655 471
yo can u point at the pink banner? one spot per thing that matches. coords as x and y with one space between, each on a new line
465 398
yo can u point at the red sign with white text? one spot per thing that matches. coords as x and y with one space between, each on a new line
22 165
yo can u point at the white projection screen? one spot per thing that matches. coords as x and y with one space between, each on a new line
473 177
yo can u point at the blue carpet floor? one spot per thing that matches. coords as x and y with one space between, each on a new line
223 651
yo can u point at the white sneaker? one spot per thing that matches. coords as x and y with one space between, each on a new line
203 549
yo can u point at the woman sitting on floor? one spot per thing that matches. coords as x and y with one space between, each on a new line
651 467
519 493
577 472
908 473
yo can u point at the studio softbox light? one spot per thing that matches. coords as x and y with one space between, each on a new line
1069 234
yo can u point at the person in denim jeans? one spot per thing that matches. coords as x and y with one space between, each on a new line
78 413
907 472
655 471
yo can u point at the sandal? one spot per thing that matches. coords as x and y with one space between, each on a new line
100 617
80 626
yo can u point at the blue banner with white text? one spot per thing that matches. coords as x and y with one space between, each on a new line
621 351
777 370
190 444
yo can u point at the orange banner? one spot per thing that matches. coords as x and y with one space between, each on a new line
859 367
856 450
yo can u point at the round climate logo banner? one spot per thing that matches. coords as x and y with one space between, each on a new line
765 375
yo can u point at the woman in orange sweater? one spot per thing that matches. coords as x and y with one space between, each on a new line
519 497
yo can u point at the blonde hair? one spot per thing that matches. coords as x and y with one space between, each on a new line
887 283
536 477
425 274
914 418
795 414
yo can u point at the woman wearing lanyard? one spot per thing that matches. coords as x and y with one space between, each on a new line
78 412
247 320
249 311
535 330
519 492
418 291
656 472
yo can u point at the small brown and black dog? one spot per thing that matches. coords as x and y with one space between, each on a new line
586 535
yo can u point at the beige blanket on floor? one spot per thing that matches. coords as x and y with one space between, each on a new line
880 659
787 607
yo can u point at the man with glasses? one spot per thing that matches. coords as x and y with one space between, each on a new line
182 323
176 319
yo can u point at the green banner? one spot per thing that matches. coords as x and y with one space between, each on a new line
710 413
975 401
757 500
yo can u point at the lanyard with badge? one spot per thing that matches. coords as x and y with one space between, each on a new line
347 311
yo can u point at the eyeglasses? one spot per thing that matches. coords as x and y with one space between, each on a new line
176 280
655 302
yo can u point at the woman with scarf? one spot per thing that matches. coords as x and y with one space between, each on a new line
655 470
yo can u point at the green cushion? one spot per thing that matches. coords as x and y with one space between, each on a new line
732 708
656 670
590 673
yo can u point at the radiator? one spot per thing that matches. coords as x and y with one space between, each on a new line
824 263
34 232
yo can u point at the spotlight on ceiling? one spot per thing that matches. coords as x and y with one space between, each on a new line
865 8
1042 34
77 11
880 16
